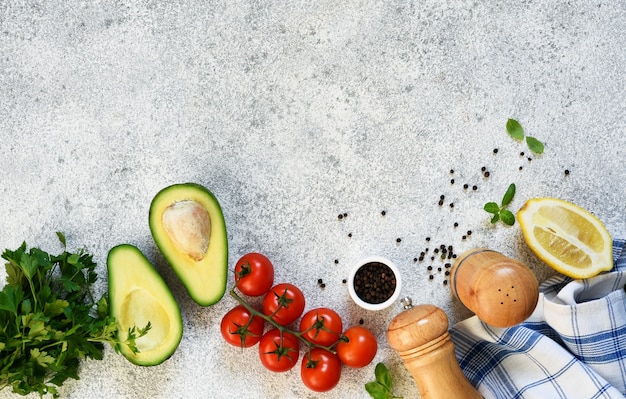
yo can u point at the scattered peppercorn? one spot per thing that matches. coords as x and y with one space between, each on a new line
566 172
361 321
465 186
319 281
432 258
456 224
429 268
451 171
440 202
521 167
474 188
427 238
445 282
436 250
495 150
414 259
322 285
521 154
483 169
451 181
336 261
451 204
447 273
383 213
344 281
340 216
398 240
438 269
529 159
345 214
431 277
464 237
487 174
350 235
469 232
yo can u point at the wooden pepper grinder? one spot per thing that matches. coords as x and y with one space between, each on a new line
501 291
420 336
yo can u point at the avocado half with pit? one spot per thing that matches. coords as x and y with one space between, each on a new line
188 226
138 296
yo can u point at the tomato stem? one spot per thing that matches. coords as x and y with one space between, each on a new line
298 334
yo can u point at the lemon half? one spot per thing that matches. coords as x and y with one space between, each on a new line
566 237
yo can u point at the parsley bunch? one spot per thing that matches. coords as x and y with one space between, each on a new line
49 319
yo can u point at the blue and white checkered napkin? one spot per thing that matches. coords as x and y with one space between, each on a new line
573 346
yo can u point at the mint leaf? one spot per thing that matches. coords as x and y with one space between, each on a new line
492 207
507 217
508 196
383 376
514 129
535 145
377 390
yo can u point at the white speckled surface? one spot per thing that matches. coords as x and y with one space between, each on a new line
292 113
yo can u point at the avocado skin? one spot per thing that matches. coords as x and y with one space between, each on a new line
130 271
204 280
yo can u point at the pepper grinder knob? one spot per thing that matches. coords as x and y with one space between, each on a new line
501 291
420 336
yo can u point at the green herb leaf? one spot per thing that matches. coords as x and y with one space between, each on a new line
49 320
377 390
514 129
382 387
535 145
495 218
383 376
492 207
508 196
507 217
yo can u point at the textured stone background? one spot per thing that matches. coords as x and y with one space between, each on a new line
292 113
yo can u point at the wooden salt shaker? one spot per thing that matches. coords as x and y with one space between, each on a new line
420 336
501 291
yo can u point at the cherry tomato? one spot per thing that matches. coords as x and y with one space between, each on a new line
254 274
278 352
321 326
234 330
320 370
284 302
360 348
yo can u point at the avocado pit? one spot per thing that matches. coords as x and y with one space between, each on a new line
188 225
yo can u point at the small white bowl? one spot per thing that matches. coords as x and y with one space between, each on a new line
374 306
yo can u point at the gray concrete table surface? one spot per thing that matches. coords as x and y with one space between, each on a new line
292 113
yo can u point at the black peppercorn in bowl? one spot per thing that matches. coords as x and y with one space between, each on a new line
374 283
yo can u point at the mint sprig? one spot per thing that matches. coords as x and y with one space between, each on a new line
515 130
499 211
382 388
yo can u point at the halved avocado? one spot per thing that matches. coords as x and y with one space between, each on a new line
138 295
188 226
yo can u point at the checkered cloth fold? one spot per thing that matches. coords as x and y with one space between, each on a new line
573 346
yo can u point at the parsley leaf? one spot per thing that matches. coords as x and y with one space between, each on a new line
50 320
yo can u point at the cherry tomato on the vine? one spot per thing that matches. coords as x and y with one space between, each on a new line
320 370
279 352
321 326
360 348
284 302
254 274
238 329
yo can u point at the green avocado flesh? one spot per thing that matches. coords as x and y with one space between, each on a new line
138 295
188 226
